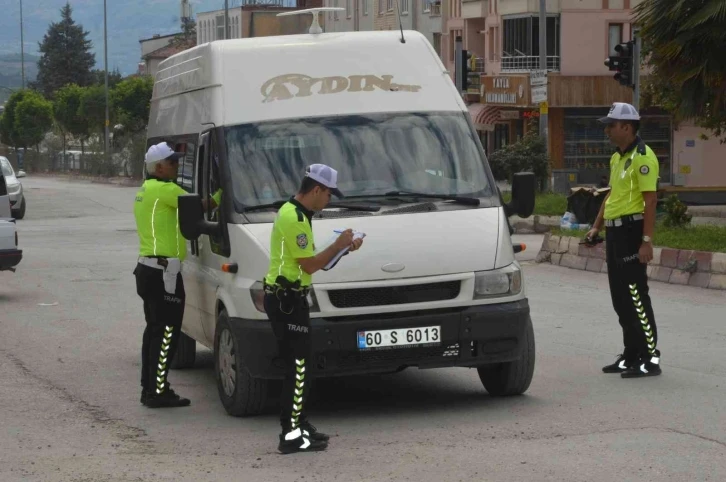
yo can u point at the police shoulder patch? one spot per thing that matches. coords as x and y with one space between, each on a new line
302 240
644 170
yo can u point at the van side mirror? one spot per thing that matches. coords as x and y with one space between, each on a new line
191 218
523 191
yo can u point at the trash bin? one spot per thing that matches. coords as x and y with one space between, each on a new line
563 180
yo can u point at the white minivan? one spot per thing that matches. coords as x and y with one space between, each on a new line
437 264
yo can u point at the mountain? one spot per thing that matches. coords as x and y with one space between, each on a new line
128 22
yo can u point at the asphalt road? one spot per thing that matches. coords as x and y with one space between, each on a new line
70 331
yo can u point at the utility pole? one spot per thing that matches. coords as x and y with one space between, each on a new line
105 61
22 47
543 131
637 46
226 19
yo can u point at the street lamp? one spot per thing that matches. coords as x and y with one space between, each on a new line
105 56
22 47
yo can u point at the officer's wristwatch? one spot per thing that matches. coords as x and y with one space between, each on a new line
646 239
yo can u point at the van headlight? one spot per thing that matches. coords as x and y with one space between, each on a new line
506 281
257 292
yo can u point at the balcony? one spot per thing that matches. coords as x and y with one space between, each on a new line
474 8
527 63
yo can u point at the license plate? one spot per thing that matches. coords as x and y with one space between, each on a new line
399 338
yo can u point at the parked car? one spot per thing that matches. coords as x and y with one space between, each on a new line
15 188
10 255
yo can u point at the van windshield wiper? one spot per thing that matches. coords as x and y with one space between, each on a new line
278 205
470 201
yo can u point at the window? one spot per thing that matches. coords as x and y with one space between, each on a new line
212 185
389 5
520 46
365 8
381 7
615 36
348 8
404 7
437 43
187 165
426 6
589 151
335 14
373 154
220 27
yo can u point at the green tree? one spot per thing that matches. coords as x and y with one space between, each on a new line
8 133
66 56
67 112
684 44
132 101
114 77
33 120
93 108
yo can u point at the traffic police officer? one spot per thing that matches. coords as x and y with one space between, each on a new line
158 274
629 218
292 262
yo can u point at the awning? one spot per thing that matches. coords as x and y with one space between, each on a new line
484 116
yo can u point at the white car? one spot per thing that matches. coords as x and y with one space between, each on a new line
15 188
10 255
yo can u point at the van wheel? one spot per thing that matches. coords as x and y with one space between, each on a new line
20 213
511 378
241 394
186 353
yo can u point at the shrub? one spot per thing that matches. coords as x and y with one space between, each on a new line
676 212
529 154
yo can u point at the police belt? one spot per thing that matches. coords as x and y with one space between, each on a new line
616 223
158 262
296 292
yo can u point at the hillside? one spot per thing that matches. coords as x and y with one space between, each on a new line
128 22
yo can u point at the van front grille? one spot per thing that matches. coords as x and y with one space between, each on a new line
394 295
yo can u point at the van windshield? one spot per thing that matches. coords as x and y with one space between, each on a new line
431 153
5 167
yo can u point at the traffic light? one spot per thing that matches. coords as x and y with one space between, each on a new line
622 64
465 56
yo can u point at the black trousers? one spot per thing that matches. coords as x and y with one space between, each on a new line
629 290
291 325
164 313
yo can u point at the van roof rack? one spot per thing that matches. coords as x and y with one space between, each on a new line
315 26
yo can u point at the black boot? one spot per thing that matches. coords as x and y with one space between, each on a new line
310 431
166 399
295 441
621 364
647 366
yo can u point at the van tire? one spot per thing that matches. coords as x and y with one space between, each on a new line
186 353
248 394
20 213
511 378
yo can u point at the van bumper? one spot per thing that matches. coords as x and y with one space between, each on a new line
470 337
10 258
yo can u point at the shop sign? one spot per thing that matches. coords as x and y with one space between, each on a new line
506 90
509 114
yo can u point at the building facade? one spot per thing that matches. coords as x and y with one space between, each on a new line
503 35
424 16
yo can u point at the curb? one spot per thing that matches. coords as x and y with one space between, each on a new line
538 224
535 224
702 269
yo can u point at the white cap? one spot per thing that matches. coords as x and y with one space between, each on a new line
620 111
325 175
161 151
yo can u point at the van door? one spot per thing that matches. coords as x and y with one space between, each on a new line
211 247
187 178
